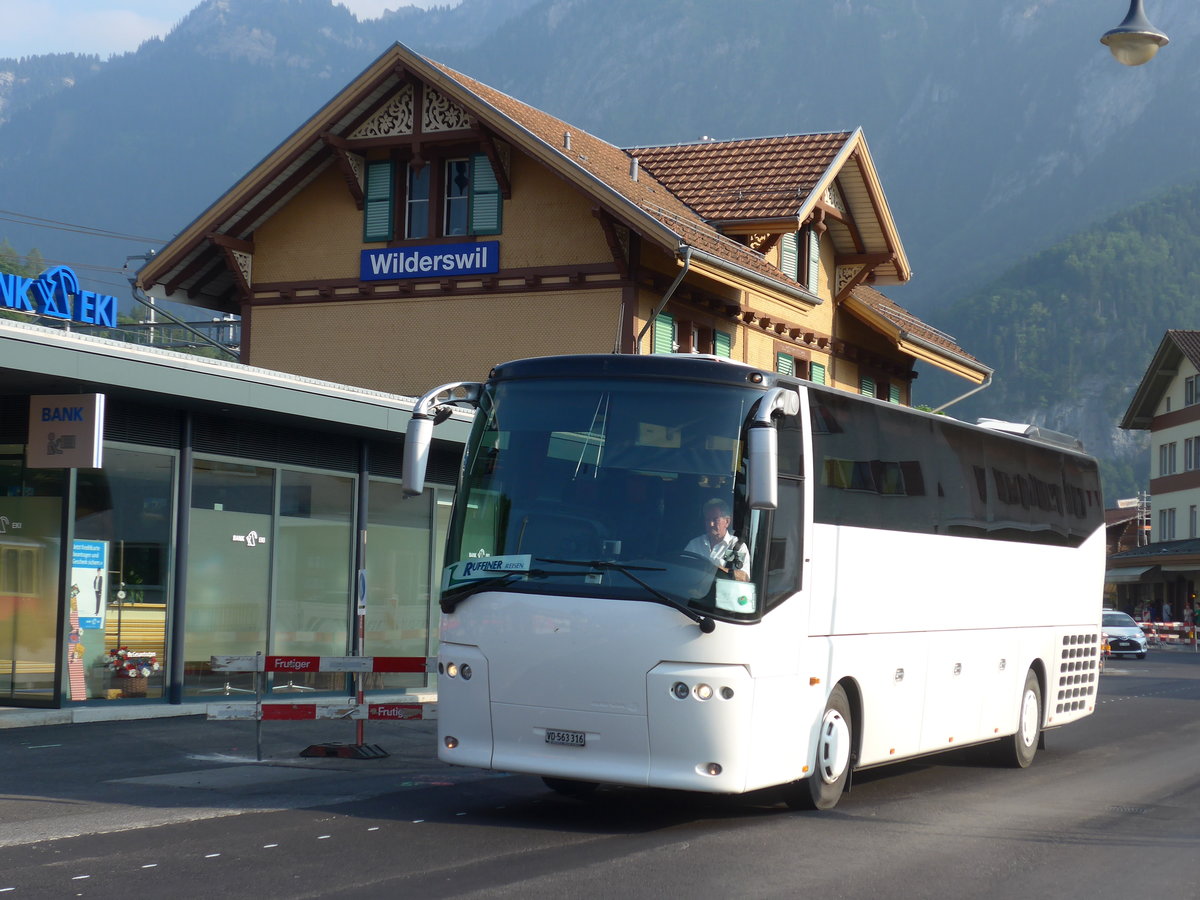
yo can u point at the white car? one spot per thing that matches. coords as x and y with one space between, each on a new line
1124 635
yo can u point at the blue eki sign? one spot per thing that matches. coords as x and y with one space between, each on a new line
56 293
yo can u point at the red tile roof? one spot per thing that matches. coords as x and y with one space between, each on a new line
756 178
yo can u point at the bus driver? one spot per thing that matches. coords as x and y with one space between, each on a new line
730 555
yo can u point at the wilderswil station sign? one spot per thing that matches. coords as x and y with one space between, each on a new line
56 293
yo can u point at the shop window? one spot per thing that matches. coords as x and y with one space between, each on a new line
120 574
398 580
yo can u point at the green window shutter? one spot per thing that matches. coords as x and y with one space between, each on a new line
664 334
486 202
722 344
789 255
893 393
818 373
785 364
814 260
866 386
377 204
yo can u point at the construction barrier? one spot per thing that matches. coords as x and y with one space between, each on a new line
356 709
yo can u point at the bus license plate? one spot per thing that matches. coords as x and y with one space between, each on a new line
566 738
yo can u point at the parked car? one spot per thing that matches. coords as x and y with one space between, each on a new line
1123 634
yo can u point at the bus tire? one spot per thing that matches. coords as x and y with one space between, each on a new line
1018 750
834 754
569 787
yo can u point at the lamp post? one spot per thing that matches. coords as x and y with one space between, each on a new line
1134 41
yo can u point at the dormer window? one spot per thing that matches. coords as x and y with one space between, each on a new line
467 194
800 257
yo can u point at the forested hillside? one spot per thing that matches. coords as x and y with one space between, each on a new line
1071 330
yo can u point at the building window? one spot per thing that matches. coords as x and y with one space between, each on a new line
416 207
463 193
1191 454
458 196
789 255
664 334
377 202
1166 459
1166 524
722 344
1192 521
812 259
1191 395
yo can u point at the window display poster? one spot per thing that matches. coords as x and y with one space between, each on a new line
89 581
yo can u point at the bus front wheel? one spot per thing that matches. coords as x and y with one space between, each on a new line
825 783
1019 750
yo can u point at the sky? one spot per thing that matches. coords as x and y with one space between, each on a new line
105 27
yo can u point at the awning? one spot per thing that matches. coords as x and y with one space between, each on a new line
1127 576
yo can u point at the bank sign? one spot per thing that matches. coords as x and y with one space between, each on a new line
56 293
430 261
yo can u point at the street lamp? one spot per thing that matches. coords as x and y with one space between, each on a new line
1134 41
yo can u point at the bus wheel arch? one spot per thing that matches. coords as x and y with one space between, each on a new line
835 753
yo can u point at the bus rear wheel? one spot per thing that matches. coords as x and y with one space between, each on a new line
1019 750
825 783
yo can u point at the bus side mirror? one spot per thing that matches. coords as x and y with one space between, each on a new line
431 409
762 466
417 440
762 447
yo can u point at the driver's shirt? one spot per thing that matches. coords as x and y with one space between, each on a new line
719 551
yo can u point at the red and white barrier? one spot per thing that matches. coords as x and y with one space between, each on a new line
389 664
296 712
356 709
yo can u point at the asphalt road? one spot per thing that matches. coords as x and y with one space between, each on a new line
178 808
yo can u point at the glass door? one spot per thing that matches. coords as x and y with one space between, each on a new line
229 572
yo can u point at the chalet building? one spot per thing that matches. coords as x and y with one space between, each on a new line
422 227
1164 573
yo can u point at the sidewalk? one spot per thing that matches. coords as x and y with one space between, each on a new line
126 766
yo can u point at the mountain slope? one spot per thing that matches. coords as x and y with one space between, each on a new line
1071 330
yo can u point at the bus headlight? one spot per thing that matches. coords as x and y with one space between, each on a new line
704 692
452 669
680 690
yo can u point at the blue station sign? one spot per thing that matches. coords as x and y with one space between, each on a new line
430 261
56 293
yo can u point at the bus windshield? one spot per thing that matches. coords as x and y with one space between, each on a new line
609 487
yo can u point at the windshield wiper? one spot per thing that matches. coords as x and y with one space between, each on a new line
706 624
457 594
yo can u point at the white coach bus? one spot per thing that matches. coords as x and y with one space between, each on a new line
682 572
